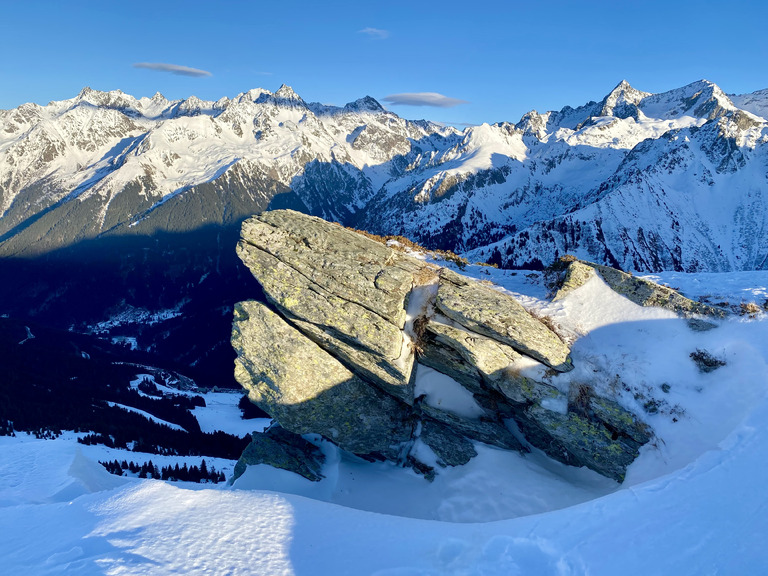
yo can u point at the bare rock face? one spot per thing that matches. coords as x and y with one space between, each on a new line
334 354
640 291
343 290
491 313
308 391
282 449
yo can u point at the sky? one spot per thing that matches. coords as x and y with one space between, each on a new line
455 62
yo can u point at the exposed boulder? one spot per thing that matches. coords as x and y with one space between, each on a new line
639 290
489 312
308 391
483 429
494 365
343 290
335 356
577 440
451 448
348 264
282 449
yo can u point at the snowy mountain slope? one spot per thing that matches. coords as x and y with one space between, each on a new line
692 504
689 144
110 204
694 199
122 159
756 102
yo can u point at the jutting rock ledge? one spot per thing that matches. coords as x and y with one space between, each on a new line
335 352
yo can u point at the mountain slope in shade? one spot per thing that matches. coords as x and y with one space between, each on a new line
106 162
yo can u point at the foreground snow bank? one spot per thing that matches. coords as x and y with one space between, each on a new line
707 518
693 503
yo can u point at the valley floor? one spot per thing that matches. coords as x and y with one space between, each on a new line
693 503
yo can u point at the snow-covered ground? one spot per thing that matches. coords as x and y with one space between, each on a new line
693 503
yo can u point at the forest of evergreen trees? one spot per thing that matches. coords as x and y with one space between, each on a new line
172 473
59 380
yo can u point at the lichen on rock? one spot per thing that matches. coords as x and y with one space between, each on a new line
308 391
279 448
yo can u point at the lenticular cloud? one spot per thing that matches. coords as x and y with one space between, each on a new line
173 69
423 99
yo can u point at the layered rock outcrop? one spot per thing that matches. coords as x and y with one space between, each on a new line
348 321
575 273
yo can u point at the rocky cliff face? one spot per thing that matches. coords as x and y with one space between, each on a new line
353 326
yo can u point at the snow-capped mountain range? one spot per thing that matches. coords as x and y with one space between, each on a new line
647 182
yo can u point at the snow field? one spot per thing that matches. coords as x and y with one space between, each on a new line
693 503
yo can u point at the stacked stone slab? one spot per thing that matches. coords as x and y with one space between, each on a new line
329 354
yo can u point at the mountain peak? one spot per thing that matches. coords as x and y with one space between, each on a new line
622 101
115 99
704 99
252 95
287 93
365 103
85 92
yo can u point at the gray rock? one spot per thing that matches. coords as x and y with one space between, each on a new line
341 261
638 290
576 274
487 431
618 420
699 325
486 311
338 325
333 359
451 449
484 363
345 291
281 449
577 441
449 362
308 391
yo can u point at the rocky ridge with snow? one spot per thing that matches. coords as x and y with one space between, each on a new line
353 325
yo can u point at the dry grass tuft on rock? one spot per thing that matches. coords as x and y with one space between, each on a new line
749 309
403 244
705 361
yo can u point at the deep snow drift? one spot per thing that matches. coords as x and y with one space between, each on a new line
694 502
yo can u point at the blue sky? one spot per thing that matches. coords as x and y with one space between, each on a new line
493 61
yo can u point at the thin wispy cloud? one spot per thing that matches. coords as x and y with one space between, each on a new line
173 69
376 33
423 99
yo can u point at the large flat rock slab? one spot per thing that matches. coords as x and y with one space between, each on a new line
308 391
491 313
281 449
345 291
358 335
495 365
340 261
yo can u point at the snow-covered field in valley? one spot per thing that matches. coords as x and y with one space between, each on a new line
693 503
